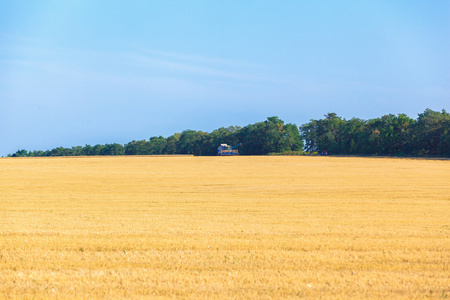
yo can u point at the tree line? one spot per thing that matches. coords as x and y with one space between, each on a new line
400 135
270 136
428 135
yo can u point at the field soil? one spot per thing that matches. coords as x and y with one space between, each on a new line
224 227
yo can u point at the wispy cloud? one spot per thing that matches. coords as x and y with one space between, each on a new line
197 58
132 66
189 67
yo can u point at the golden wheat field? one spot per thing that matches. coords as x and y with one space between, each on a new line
224 227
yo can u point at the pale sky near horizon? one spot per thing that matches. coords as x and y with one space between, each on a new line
94 72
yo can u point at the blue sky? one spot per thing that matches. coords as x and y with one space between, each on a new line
94 72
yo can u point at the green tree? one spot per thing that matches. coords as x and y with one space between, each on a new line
157 145
391 135
430 132
292 140
20 153
324 134
171 144
77 151
189 142
137 148
269 136
112 149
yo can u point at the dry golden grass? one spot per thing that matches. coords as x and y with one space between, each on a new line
216 227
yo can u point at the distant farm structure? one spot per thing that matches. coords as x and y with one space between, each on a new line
227 150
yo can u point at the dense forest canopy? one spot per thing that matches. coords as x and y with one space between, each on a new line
428 135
